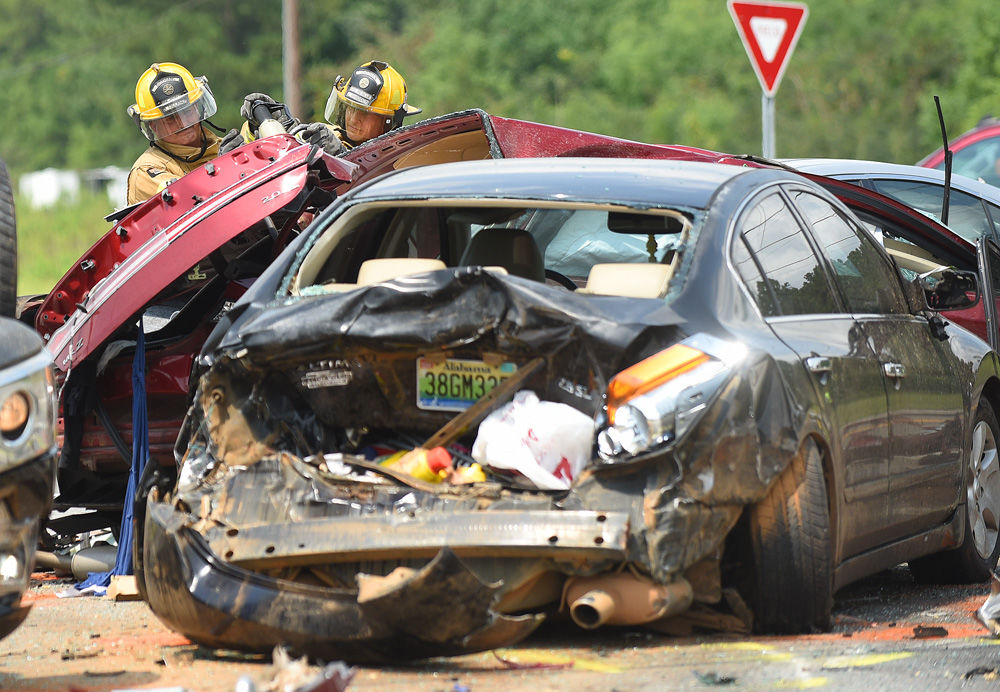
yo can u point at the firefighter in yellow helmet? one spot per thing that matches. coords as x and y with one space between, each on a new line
371 102
368 104
171 109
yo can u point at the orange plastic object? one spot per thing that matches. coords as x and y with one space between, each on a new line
650 373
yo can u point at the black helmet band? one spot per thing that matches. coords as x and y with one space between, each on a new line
166 86
364 86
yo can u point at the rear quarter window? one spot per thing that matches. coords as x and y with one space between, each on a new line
777 264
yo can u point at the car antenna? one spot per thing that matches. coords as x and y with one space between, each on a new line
947 164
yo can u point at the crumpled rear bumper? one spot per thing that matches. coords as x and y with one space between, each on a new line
219 604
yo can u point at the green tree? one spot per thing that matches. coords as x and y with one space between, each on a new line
860 83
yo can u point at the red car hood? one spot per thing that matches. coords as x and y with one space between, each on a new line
164 236
475 134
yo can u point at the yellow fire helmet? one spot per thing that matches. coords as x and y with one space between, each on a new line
374 87
168 99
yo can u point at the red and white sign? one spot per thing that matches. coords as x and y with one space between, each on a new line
769 31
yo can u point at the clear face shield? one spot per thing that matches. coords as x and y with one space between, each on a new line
359 124
177 113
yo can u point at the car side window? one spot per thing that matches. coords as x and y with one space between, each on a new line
777 264
994 213
966 214
978 160
865 279
994 262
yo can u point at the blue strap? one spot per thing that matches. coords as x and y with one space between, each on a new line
140 454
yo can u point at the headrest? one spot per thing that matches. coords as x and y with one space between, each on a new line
629 280
514 249
375 271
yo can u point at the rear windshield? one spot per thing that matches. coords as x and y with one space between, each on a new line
559 245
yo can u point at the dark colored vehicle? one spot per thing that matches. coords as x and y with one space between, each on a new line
975 154
27 461
740 399
27 432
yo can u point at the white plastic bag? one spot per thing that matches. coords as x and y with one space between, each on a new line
547 442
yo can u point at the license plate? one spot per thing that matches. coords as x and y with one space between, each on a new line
454 385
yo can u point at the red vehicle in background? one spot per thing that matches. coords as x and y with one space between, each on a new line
975 154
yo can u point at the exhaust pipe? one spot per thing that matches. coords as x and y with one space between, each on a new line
97 558
60 564
624 599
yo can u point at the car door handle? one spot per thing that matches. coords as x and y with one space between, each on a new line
894 370
819 365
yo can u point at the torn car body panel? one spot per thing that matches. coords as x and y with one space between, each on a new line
172 231
174 262
475 134
318 620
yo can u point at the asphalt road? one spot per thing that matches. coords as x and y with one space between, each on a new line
889 634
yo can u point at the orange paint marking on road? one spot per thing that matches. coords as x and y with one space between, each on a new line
36 598
902 632
146 639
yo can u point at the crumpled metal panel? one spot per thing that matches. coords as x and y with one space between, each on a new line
370 338
282 512
218 605
269 486
448 309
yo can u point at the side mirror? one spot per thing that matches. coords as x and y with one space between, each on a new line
948 289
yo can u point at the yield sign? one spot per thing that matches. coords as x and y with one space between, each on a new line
769 31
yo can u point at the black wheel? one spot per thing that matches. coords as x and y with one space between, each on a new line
790 538
8 246
973 561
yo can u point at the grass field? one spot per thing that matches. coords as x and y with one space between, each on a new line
49 241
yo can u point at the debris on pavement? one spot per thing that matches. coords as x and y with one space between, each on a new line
297 675
987 672
515 665
123 588
712 678
925 632
988 613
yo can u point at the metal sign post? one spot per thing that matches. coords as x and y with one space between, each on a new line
769 31
767 125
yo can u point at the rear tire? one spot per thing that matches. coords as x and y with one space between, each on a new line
790 538
8 246
974 560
